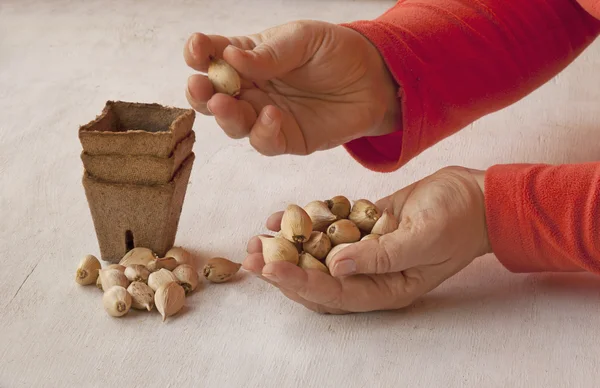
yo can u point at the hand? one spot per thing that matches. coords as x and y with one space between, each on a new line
306 86
442 229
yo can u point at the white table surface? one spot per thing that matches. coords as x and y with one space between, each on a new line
61 60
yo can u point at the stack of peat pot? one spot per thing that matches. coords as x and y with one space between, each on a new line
138 159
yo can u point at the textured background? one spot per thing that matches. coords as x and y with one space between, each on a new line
61 60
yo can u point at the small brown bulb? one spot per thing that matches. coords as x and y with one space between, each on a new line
220 269
142 296
364 214
340 206
87 270
296 225
318 245
320 215
110 277
169 298
370 237
224 78
343 232
308 261
278 249
137 273
116 301
387 223
187 277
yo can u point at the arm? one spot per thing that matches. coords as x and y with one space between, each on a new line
458 61
544 218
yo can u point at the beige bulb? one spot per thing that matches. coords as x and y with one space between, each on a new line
110 277
320 215
137 256
180 255
220 269
137 273
160 277
142 296
364 214
342 232
317 245
308 261
87 270
278 249
340 206
296 225
387 223
117 266
370 237
116 301
169 298
224 78
187 277
169 263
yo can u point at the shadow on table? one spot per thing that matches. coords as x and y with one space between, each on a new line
558 287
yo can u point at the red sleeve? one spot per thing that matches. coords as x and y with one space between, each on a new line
456 61
544 218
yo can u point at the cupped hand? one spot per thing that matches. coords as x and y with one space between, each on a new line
306 86
441 230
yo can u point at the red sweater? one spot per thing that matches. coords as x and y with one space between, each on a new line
458 60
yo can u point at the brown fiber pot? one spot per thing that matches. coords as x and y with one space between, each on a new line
132 128
132 215
138 169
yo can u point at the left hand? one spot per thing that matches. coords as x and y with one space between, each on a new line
442 229
306 86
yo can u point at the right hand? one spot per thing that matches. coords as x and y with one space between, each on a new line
442 229
306 86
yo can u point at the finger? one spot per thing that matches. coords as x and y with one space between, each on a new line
274 221
283 49
358 293
254 263
392 252
255 245
375 256
200 48
408 246
266 135
235 117
395 202
276 131
199 91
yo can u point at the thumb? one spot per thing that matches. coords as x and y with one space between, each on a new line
391 252
383 255
284 49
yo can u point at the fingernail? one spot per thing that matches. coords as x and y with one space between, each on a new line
192 44
208 108
266 119
344 267
271 277
234 48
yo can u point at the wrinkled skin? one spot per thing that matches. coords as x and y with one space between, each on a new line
306 86
442 230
